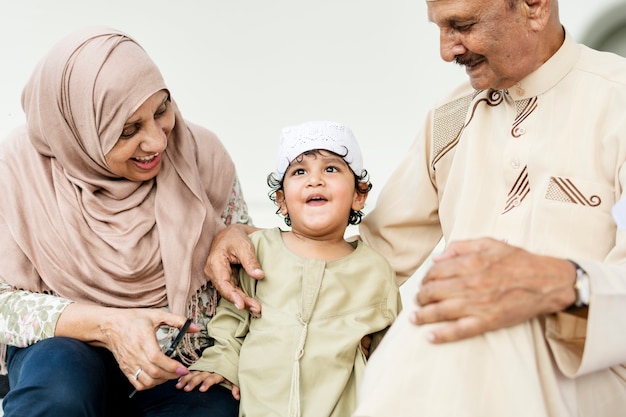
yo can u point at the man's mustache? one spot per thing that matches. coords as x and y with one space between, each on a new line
467 60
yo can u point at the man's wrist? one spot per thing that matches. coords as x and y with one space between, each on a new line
581 287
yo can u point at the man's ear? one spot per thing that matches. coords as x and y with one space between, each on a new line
538 13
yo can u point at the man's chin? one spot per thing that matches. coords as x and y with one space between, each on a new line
479 84
481 81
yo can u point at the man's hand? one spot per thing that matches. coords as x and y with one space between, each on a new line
485 284
233 247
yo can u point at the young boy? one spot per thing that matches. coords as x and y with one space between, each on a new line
320 296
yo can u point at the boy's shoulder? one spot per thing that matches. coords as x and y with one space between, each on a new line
271 233
369 252
266 237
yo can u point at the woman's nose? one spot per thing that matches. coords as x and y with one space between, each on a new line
155 139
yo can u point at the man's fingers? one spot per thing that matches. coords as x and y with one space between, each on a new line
449 330
231 293
244 254
253 306
232 246
466 247
239 299
457 330
446 310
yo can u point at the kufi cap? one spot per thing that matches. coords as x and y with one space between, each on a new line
330 136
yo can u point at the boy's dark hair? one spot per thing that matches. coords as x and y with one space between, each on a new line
362 185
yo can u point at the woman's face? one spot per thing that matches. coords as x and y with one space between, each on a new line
137 154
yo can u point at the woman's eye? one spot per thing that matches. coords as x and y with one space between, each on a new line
128 132
161 111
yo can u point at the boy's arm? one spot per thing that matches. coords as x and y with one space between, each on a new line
227 329
393 308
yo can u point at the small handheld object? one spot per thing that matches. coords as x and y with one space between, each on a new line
170 350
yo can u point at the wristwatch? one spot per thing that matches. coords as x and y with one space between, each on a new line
581 286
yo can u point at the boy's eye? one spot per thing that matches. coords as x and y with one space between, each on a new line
299 171
331 169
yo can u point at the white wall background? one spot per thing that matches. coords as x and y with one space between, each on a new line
246 68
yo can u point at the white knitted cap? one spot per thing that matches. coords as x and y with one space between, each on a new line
330 136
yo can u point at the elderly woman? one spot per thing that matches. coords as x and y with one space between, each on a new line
110 201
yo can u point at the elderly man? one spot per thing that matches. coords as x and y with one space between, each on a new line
524 312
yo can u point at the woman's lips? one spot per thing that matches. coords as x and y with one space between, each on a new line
148 162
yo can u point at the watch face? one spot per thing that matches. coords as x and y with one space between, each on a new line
582 287
608 31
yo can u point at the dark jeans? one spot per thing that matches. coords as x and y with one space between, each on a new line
65 377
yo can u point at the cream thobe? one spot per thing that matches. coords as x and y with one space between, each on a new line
540 166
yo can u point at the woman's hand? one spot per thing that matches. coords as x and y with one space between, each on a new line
130 334
232 246
482 285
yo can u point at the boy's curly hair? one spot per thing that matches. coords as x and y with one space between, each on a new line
362 185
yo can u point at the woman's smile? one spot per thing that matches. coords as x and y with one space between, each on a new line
147 162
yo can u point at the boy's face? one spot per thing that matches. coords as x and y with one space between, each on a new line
318 193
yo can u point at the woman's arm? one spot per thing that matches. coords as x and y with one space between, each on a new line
130 334
27 317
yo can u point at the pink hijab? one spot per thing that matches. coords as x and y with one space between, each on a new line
70 227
